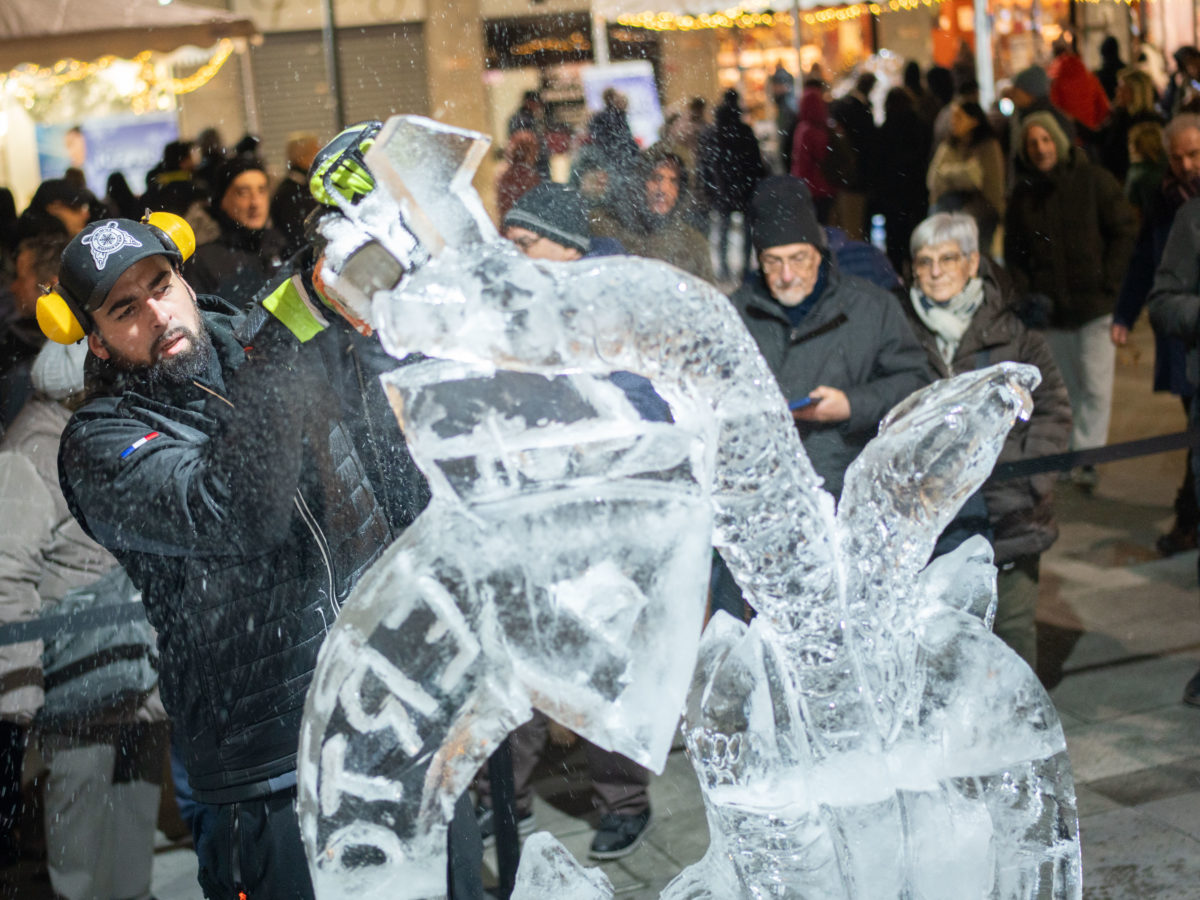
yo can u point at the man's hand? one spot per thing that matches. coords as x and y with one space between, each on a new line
832 406
1119 335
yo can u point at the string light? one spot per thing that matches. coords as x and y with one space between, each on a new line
739 18
29 82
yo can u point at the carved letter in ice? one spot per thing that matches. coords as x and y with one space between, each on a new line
866 736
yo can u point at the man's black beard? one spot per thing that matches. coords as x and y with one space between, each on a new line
188 365
179 368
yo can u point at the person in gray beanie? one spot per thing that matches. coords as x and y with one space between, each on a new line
550 222
1030 94
839 346
1068 238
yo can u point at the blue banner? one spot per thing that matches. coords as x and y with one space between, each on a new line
131 145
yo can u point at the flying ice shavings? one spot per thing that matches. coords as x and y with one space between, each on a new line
865 736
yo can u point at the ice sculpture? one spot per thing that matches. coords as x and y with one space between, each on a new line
866 736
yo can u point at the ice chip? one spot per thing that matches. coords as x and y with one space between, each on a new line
549 870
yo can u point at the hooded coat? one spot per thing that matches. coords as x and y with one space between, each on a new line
811 143
1077 92
730 161
1021 510
1069 235
240 508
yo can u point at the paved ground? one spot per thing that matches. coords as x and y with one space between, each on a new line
1119 633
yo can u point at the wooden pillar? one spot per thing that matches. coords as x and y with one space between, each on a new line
454 50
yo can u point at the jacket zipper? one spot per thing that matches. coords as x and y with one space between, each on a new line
309 519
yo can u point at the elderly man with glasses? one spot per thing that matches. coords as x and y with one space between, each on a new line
838 345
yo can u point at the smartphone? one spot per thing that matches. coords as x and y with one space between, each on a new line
802 402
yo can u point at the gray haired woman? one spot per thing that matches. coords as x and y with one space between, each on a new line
961 306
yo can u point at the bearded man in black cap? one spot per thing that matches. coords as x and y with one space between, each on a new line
211 459
838 345
248 251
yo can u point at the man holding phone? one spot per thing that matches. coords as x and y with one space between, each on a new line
838 345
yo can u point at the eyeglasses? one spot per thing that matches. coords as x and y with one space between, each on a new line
803 260
924 263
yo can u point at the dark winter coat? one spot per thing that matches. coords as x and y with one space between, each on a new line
1175 297
906 144
290 206
245 518
730 162
1170 353
1020 510
856 340
238 263
1069 235
858 125
1114 138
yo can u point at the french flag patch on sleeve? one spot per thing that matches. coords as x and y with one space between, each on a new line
138 443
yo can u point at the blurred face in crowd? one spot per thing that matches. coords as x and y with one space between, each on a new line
594 184
1040 148
1183 154
1021 98
25 285
535 246
791 271
74 218
961 124
246 200
662 189
943 270
150 320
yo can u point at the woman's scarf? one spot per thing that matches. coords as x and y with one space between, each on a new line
949 321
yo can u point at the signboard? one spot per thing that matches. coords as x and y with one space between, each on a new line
128 144
635 80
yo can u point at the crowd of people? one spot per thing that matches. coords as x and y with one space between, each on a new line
165 441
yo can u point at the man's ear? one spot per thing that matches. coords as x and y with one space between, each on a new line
97 346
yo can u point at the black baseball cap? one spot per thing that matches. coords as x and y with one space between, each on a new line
101 253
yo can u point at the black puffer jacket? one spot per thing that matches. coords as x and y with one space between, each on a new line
240 508
238 263
1021 510
855 340
1069 235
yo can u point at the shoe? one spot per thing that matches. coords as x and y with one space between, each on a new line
1191 691
1085 478
619 836
1176 540
487 825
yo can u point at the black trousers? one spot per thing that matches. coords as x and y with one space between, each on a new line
255 846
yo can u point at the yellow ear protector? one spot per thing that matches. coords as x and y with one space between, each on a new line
61 314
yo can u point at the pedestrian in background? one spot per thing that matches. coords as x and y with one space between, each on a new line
811 142
1069 235
520 170
1177 185
731 165
965 313
969 164
902 165
105 769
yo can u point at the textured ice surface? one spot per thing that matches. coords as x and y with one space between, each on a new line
866 736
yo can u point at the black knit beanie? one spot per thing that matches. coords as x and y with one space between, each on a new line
554 211
782 212
229 170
